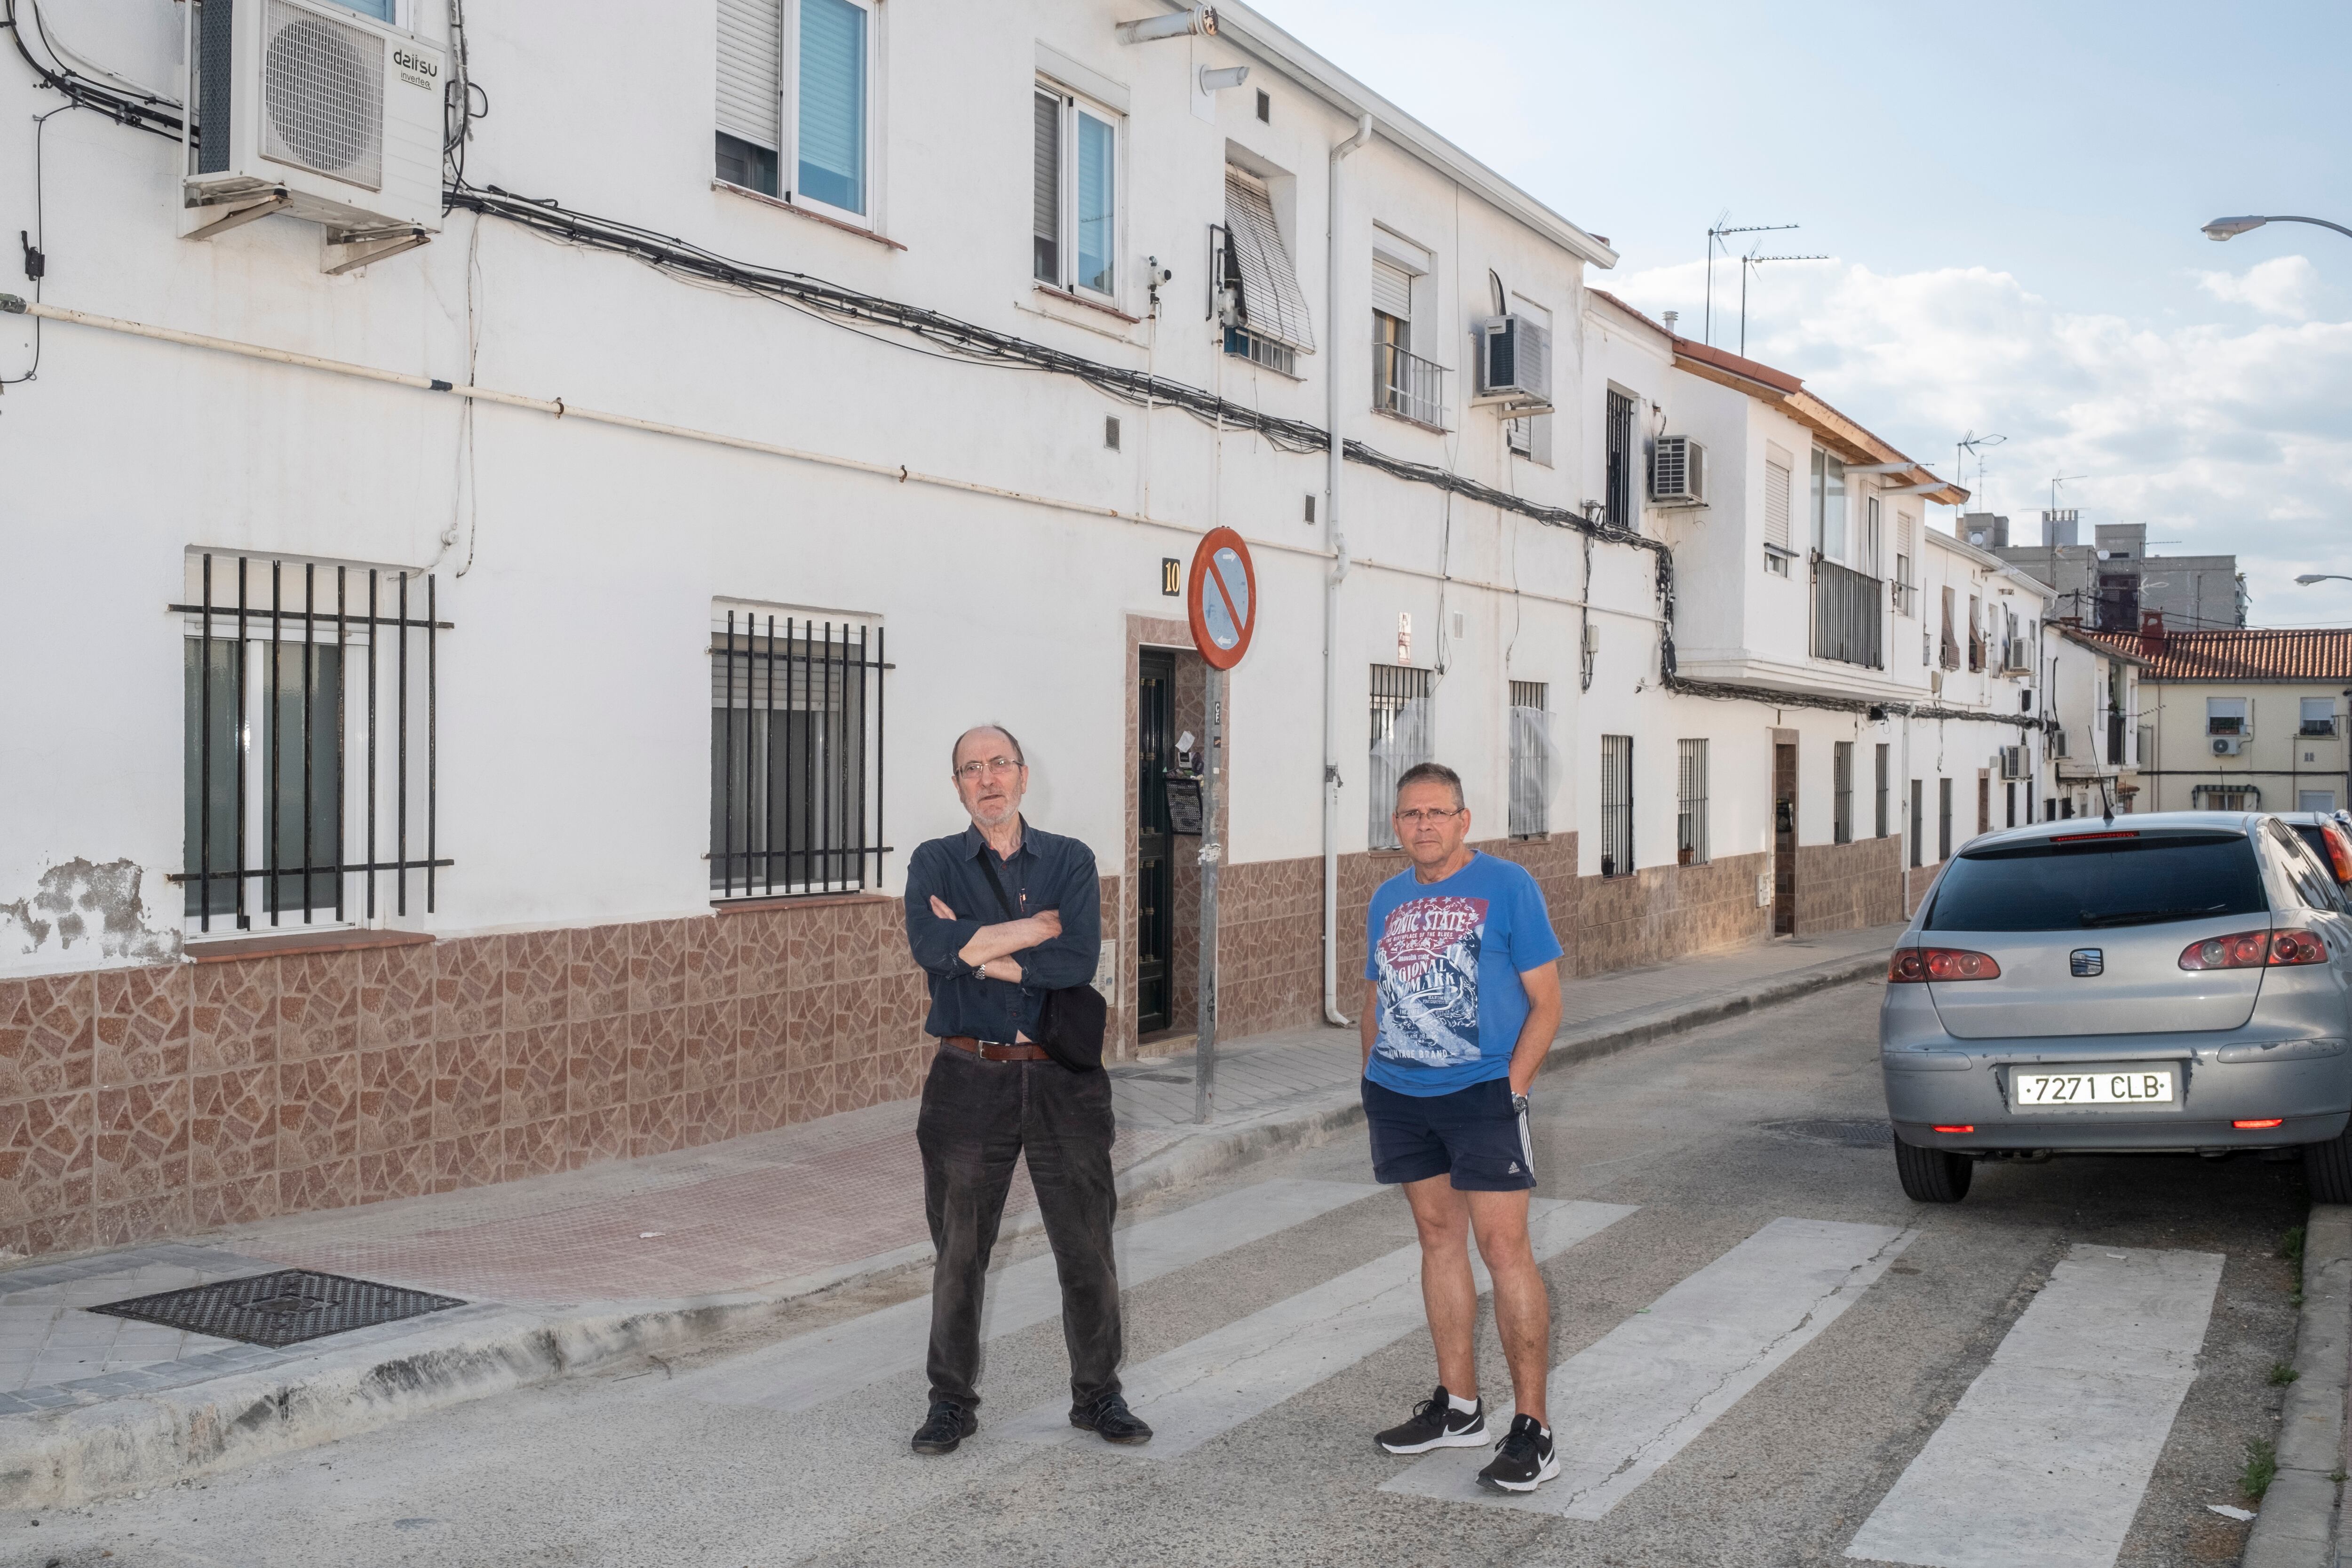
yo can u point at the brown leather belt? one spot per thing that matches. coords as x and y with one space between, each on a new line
991 1051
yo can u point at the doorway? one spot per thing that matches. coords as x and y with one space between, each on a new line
1784 838
1155 885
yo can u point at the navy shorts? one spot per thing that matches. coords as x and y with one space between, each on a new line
1471 1134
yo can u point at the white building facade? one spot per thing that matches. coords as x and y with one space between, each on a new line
500 658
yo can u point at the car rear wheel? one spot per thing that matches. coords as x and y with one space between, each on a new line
1937 1176
2327 1169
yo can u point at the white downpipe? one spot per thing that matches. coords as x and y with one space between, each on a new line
1337 545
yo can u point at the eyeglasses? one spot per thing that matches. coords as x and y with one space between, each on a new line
971 771
1428 818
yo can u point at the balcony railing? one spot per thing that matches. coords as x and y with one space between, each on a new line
1407 384
1846 616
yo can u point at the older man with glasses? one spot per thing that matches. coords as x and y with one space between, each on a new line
994 1094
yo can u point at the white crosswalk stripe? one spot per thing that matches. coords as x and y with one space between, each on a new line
824 1365
2046 1458
1625 1405
1203 1389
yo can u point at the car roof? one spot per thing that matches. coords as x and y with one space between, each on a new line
2242 822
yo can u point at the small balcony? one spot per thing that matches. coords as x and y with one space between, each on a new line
2318 728
1407 385
1847 619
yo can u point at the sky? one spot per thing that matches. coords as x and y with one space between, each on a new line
2009 196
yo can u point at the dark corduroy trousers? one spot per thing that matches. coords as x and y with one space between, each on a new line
979 1116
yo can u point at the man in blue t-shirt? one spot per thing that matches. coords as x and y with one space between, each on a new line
1461 1002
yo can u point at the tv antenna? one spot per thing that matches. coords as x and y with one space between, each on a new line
1715 238
1971 444
1747 264
2057 479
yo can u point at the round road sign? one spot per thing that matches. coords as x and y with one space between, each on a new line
1221 598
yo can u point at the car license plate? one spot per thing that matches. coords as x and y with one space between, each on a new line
2126 1085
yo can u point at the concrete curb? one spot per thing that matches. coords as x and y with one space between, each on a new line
73 1454
2297 1526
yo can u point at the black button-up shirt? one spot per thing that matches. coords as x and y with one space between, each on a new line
1048 872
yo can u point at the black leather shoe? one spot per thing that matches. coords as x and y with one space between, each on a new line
1110 1419
948 1425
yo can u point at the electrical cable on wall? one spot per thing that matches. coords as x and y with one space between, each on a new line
36 245
140 110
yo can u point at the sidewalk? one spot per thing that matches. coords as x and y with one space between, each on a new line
561 1272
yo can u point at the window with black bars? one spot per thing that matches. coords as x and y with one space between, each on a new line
796 712
1619 504
1879 818
311 751
1400 714
1616 805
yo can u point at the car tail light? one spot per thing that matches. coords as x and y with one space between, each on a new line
1911 965
2339 850
1969 1128
2254 950
2245 1126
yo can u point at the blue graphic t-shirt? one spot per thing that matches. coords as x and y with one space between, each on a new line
1448 956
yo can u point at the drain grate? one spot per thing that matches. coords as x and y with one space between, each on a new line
1853 1134
281 1309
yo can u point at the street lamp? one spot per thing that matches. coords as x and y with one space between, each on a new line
2232 227
2308 578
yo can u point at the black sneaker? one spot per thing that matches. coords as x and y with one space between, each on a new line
1109 1419
1436 1424
1523 1459
948 1425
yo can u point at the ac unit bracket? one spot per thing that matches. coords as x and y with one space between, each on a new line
350 250
235 216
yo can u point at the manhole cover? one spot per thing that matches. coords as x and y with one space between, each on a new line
281 1309
1844 1134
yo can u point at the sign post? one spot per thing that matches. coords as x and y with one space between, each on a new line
1220 601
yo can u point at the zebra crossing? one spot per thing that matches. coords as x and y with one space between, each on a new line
2045 1459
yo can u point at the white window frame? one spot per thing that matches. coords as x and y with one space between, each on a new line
788 170
2229 716
1074 104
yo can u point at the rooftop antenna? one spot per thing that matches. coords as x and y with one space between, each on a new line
1970 443
2057 479
1714 243
1747 264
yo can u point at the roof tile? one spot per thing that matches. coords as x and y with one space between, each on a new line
2250 653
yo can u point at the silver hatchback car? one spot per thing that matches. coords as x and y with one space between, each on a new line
2177 983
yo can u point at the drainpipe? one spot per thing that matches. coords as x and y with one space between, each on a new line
1337 544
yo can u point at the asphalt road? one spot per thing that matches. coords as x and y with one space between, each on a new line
1761 1337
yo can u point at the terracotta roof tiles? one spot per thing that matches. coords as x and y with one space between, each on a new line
2250 653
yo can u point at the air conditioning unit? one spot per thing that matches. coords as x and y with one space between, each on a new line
1677 471
2229 745
318 112
1514 360
2013 764
2057 746
2017 658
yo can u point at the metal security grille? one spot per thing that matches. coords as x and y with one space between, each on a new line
1690 803
1616 805
795 756
281 1309
1619 505
1842 793
272 691
322 88
1879 818
1846 616
1401 696
1531 750
1404 382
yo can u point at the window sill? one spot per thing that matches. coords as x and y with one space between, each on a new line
280 944
1069 296
794 901
780 205
1405 419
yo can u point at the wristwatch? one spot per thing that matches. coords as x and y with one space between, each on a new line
980 972
1519 1105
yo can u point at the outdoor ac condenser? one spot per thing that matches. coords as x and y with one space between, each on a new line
2229 745
316 112
1514 360
1678 471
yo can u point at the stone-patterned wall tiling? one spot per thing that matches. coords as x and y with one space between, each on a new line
146 1102
1917 882
1844 887
1666 911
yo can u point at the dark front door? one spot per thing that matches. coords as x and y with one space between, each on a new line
1784 839
1155 885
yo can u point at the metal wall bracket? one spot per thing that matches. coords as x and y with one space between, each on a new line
342 253
238 216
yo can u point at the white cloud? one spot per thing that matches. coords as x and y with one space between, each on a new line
2227 439
2279 287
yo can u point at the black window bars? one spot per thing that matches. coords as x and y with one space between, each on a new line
796 756
303 680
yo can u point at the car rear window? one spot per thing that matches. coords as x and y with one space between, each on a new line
2098 881
2311 832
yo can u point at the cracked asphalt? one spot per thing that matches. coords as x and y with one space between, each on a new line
627 1468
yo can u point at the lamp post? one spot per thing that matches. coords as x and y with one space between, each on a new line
2308 578
2232 227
